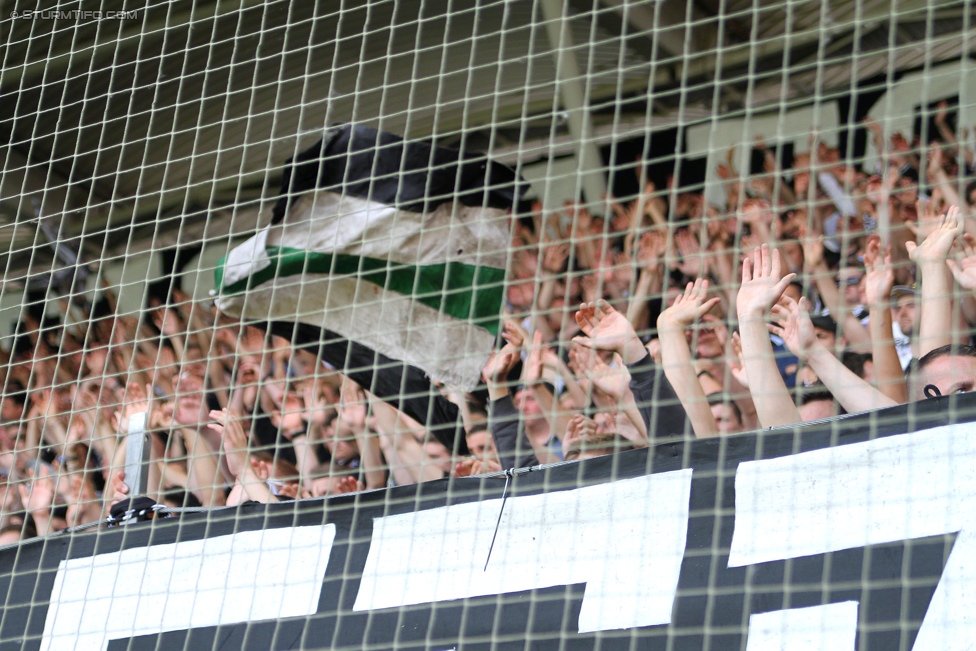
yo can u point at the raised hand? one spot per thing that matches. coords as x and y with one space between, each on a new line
140 401
579 428
316 411
725 172
533 364
930 256
688 307
689 251
168 322
590 285
38 495
604 327
936 159
737 364
470 466
762 283
880 276
550 360
795 327
119 490
655 206
941 112
813 249
582 220
653 245
929 223
937 244
500 365
465 468
876 191
581 360
730 158
872 126
757 211
624 216
554 258
347 484
613 382
964 268
352 410
41 403
229 424
514 333
607 329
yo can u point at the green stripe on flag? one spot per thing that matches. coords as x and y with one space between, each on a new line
463 291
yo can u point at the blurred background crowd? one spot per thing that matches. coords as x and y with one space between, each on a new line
815 290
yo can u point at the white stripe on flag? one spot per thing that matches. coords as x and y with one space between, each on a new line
326 222
449 350
245 259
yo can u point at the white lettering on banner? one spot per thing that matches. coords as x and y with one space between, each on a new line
832 627
624 539
242 577
890 489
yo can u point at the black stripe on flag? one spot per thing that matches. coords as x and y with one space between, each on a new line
359 161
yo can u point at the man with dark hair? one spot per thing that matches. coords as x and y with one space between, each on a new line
861 364
903 315
826 329
816 403
728 416
943 371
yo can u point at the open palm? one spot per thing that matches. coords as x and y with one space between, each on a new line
795 327
688 307
936 245
964 269
880 276
605 328
762 283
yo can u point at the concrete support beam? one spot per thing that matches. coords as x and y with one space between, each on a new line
571 88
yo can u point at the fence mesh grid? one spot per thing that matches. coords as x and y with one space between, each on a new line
466 324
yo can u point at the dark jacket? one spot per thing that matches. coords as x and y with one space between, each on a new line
513 445
656 400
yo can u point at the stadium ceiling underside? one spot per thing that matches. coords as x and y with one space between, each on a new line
129 134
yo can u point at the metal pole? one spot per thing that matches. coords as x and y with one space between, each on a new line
137 449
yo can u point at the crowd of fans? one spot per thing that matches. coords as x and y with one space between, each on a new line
810 292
